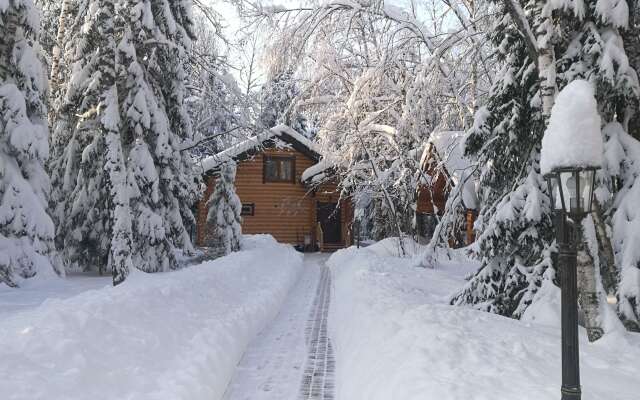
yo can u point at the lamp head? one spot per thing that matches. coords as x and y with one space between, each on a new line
571 190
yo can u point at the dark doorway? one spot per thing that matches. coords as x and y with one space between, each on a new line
328 215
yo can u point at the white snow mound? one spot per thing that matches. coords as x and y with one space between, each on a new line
396 337
573 137
176 335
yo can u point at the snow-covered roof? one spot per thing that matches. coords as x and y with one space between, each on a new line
450 153
318 172
280 132
447 145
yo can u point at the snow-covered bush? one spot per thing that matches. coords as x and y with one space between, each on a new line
223 217
26 231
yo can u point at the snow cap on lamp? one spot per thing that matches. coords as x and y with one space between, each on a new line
573 137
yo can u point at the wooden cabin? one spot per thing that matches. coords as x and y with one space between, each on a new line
275 200
444 167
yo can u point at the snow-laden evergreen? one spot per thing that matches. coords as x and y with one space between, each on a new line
596 53
155 127
26 230
278 103
622 162
514 225
581 41
123 187
223 218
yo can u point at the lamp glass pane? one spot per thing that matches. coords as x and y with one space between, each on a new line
554 187
569 191
586 189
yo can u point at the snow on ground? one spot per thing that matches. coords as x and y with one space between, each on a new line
396 337
35 291
175 335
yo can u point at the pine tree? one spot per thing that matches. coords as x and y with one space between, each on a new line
224 211
156 127
277 104
596 52
26 230
514 224
123 186
574 40
91 199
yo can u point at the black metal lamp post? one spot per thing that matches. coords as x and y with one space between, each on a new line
571 191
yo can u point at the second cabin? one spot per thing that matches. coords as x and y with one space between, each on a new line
274 198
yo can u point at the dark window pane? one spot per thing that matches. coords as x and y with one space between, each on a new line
248 209
278 169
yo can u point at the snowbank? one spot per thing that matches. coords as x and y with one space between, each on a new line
396 337
176 335
573 135
391 247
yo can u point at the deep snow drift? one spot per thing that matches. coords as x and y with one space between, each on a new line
175 335
396 337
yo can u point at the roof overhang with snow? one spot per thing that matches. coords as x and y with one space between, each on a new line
446 147
318 173
272 138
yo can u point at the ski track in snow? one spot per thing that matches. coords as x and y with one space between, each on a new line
292 358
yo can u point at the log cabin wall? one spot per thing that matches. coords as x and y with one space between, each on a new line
432 199
433 195
472 215
286 210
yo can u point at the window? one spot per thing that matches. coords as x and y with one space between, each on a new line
248 209
279 169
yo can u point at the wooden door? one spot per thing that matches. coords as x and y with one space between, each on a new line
329 216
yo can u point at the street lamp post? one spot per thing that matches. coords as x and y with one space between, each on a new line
571 194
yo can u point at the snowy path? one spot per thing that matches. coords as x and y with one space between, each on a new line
292 358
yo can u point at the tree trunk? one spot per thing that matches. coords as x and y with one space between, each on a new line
8 31
588 297
57 50
605 250
546 67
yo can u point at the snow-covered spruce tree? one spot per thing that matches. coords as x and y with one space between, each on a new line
91 196
588 44
26 231
514 224
580 41
224 212
50 17
596 52
121 178
277 99
156 127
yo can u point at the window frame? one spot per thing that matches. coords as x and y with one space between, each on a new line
267 179
252 207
